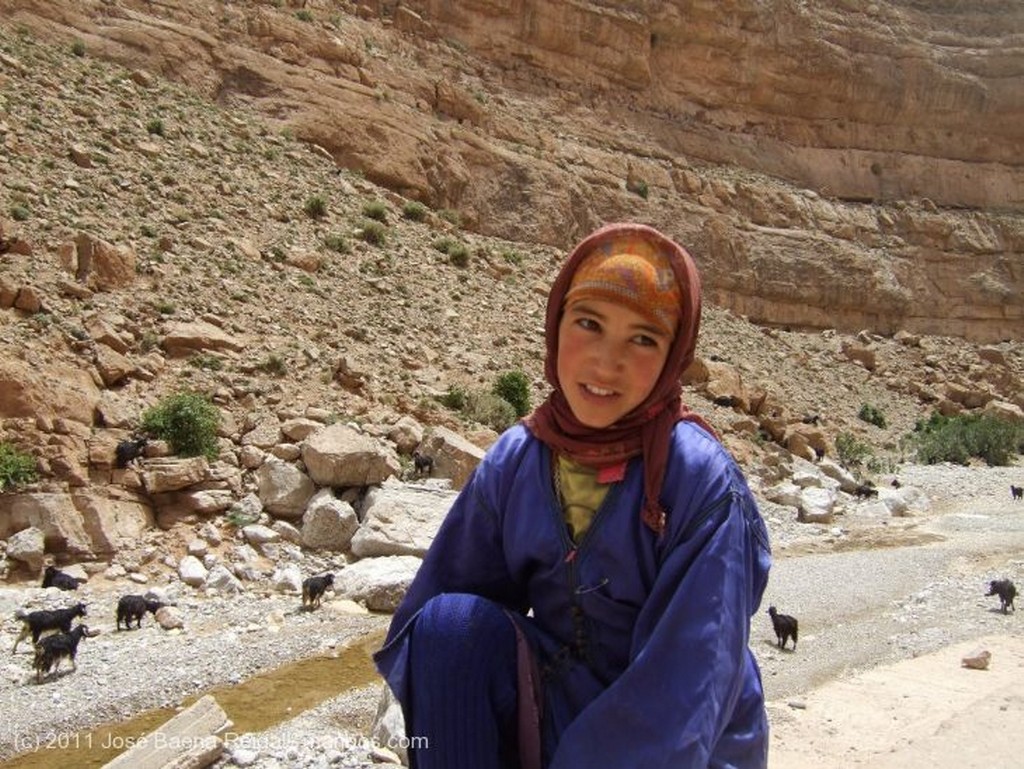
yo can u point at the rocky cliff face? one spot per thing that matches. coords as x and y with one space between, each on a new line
832 164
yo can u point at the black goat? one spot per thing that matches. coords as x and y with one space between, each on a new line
54 577
129 450
313 589
133 608
37 622
53 648
424 463
865 490
785 627
1006 591
1017 492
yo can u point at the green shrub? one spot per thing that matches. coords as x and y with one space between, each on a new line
459 255
16 468
852 452
376 210
20 213
414 211
337 243
638 188
871 415
454 398
443 244
304 15
188 422
458 252
78 47
488 409
206 360
155 127
274 364
958 438
511 256
514 387
450 215
374 233
315 206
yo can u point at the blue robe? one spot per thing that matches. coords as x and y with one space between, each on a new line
642 639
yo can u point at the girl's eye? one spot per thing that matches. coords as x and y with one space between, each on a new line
645 341
588 323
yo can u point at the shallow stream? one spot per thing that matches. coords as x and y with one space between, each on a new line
253 705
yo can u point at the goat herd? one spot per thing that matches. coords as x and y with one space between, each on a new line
786 626
54 639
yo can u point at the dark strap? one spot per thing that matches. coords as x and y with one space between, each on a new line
530 703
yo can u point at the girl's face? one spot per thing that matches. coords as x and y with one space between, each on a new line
609 359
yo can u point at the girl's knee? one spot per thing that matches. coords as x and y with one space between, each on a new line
462 620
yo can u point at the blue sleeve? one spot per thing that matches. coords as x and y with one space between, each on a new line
689 664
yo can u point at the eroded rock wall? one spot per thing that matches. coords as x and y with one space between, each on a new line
829 164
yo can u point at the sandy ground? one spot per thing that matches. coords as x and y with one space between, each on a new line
925 713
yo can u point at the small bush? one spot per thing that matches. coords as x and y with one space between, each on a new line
207 361
337 243
16 468
188 422
274 364
958 438
638 188
454 398
315 206
304 15
459 255
514 387
488 409
155 127
149 341
450 215
512 257
851 451
376 210
871 415
374 233
20 213
414 211
78 48
444 245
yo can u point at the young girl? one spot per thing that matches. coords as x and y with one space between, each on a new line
586 603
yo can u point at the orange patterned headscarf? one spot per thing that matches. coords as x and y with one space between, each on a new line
639 266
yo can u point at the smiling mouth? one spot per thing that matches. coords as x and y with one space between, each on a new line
595 390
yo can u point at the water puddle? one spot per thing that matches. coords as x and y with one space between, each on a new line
253 705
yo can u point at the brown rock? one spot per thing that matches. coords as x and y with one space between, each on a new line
977 660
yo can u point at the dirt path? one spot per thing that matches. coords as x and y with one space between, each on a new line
924 713
877 678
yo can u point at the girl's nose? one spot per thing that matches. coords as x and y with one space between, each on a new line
607 356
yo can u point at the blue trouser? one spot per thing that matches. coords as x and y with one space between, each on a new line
462 706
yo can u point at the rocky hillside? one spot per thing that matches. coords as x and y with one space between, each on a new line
152 241
832 165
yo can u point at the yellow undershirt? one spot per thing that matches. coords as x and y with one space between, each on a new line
581 495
